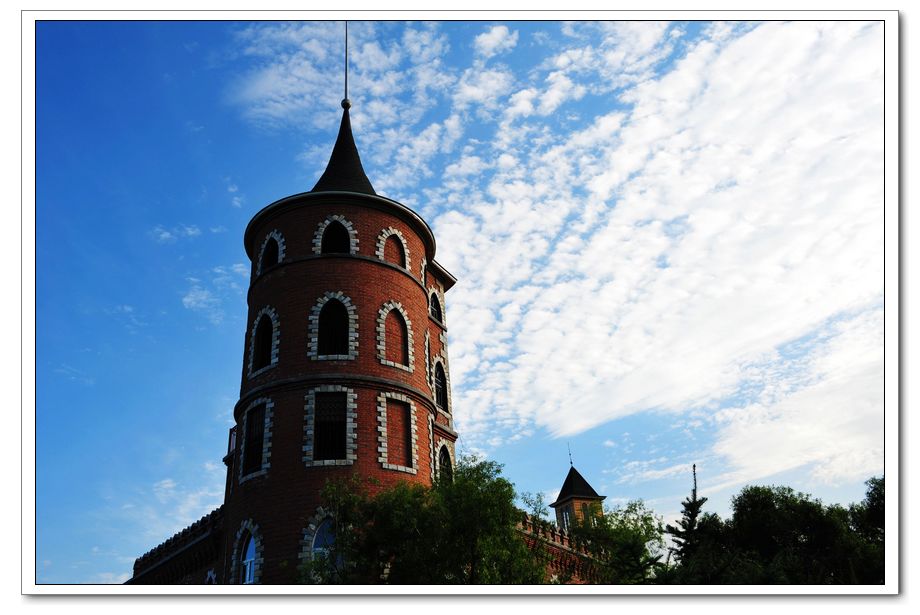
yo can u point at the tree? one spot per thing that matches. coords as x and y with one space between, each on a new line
463 530
685 534
624 543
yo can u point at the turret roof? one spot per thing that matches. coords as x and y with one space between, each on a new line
344 171
575 486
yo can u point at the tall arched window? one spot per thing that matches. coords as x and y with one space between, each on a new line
248 561
333 329
397 338
253 439
262 344
394 252
435 309
336 239
324 538
440 387
270 254
445 468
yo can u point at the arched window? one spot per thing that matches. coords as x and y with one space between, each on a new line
253 440
270 253
333 329
440 387
336 239
324 538
394 252
445 468
248 561
262 344
435 309
397 338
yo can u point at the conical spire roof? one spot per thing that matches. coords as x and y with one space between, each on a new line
575 486
344 171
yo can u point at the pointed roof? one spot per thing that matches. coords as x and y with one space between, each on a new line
575 486
344 171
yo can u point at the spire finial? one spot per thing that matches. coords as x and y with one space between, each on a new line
345 102
570 455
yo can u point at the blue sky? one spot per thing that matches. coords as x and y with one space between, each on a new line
668 240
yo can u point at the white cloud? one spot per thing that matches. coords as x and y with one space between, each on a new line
163 235
495 40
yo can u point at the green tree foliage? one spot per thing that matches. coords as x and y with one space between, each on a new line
684 534
460 531
779 536
624 543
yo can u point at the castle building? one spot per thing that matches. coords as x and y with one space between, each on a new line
344 372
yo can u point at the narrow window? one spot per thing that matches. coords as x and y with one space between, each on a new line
336 239
270 254
252 444
397 338
262 344
566 520
584 512
394 252
435 309
333 329
444 466
329 426
324 538
399 433
440 387
248 561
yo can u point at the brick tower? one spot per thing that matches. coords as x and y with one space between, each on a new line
344 372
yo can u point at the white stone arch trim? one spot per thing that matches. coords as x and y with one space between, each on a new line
351 426
382 447
309 534
448 411
442 443
266 438
321 228
382 241
313 338
276 339
431 445
422 270
428 375
279 238
439 293
250 527
382 335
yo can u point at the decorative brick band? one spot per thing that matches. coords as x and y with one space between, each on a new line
382 335
276 339
382 447
351 426
382 241
313 343
279 239
266 439
321 229
309 534
247 526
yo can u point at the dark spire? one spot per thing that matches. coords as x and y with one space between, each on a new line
575 486
344 171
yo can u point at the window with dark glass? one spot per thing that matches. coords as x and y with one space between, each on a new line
444 466
336 239
329 426
435 309
393 251
440 387
399 433
262 344
248 561
252 444
333 328
270 254
397 338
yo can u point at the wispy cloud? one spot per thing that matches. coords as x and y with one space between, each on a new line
160 234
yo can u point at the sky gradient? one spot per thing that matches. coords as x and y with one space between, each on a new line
668 239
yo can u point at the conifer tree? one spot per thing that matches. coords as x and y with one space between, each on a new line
685 534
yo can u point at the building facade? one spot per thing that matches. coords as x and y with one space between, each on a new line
345 371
